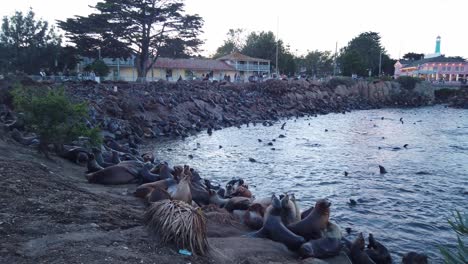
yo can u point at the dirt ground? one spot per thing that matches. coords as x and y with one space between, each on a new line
50 214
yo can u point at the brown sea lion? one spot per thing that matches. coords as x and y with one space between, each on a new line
148 157
92 165
111 175
143 190
158 194
115 157
253 217
182 192
241 191
288 212
414 258
274 229
75 154
16 135
238 203
378 252
216 199
311 226
146 174
358 255
306 212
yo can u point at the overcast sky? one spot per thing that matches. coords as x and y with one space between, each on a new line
404 25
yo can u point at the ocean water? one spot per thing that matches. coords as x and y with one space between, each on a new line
406 209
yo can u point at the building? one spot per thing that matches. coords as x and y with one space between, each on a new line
247 66
237 66
434 67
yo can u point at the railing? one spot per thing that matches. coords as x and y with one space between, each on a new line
252 67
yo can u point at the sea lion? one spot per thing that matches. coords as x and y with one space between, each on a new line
296 207
414 258
148 157
377 252
170 185
321 248
99 159
112 144
253 217
311 226
382 169
216 199
238 203
358 255
198 188
27 141
92 165
147 176
115 157
111 175
182 192
332 231
274 229
288 211
241 191
75 154
158 194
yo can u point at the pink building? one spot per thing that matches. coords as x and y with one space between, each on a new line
441 68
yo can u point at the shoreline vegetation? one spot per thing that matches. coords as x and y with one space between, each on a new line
51 214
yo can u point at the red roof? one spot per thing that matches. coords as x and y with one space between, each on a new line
193 64
236 56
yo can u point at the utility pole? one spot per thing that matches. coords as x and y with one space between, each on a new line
277 44
336 55
380 63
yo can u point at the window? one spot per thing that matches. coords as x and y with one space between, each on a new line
457 68
168 73
435 68
462 68
444 68
449 68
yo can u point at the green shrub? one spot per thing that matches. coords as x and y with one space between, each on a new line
50 114
460 255
408 82
335 81
99 67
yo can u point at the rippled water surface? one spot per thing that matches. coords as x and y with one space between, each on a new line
406 208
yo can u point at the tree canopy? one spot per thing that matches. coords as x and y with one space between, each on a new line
146 29
413 56
362 54
28 44
317 63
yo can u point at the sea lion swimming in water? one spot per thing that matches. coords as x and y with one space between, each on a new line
358 255
377 252
310 227
414 258
274 229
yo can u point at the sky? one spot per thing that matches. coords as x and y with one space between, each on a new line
404 25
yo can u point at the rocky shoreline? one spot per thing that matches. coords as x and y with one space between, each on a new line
181 109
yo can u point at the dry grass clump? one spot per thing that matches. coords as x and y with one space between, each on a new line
179 223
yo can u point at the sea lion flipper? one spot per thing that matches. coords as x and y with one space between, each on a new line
258 234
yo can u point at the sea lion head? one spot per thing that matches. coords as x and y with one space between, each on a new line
242 191
91 156
148 157
257 208
371 241
82 157
285 201
275 202
359 242
414 258
323 206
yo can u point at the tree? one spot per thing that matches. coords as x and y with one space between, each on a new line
413 56
144 28
99 67
234 42
27 44
318 63
362 54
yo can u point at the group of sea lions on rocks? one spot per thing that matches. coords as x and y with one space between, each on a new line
310 233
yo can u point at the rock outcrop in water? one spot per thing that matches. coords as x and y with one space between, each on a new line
179 109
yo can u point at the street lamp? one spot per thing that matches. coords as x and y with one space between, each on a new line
380 63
